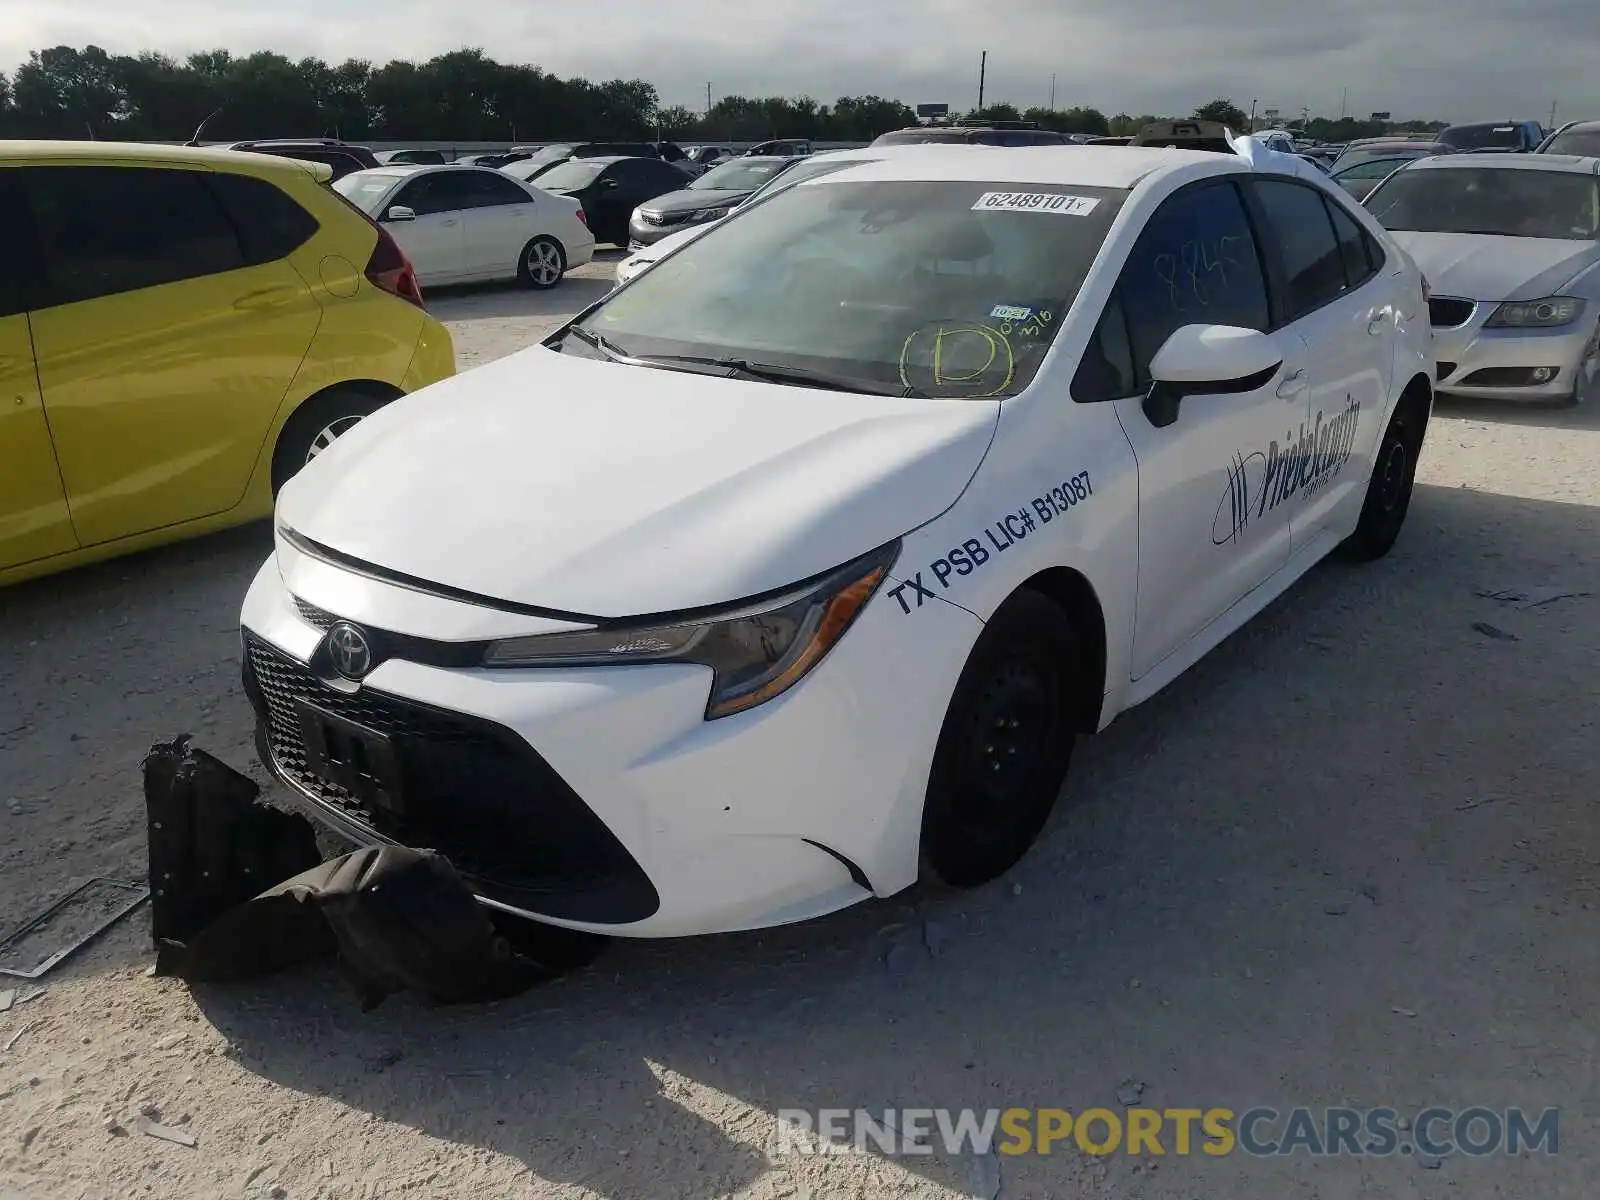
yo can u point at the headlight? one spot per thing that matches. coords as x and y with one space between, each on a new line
756 652
711 214
1549 313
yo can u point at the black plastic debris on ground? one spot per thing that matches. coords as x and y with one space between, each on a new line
395 918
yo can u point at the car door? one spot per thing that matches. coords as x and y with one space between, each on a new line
33 504
1206 535
164 347
1348 327
435 240
499 224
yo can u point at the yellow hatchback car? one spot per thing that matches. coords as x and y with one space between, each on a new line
180 331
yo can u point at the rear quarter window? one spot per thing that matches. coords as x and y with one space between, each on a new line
271 225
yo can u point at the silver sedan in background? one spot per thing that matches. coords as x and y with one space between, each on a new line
1510 246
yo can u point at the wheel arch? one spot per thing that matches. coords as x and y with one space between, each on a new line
374 389
1071 591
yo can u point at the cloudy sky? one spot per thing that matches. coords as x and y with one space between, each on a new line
1446 59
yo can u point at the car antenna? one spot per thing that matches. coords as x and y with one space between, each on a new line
201 128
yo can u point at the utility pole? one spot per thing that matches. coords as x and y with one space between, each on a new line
1252 128
1052 92
1344 101
708 99
983 67
1553 104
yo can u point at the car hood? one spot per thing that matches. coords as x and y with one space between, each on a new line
608 490
1486 267
690 199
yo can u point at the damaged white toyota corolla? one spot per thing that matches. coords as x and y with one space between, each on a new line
791 569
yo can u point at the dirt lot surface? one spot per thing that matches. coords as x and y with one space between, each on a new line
1348 860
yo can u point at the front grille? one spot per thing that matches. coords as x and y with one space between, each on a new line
312 615
1447 312
473 790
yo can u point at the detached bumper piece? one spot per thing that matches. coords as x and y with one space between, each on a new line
382 768
396 919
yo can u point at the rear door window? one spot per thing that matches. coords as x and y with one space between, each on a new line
108 230
490 191
1299 225
270 224
1359 266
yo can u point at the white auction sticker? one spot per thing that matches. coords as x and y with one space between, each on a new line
1045 202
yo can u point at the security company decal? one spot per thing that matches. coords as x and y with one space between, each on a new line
1306 463
993 541
1041 202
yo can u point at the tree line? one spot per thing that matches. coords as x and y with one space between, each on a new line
463 96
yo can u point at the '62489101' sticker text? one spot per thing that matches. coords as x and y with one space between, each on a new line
1039 202
979 551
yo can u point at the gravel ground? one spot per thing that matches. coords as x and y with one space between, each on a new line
1349 859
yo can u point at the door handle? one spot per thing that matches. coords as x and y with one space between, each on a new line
1293 384
450 224
272 297
1375 326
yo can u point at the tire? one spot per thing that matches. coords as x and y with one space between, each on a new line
315 425
1389 488
994 781
543 263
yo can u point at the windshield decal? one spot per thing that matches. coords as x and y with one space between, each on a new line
993 541
1046 202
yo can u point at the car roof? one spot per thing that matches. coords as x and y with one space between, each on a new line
136 152
1085 166
1487 125
1579 127
1571 164
407 170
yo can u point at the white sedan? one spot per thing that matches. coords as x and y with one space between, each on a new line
460 224
792 569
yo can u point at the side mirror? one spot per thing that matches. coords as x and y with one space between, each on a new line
399 212
1208 360
608 183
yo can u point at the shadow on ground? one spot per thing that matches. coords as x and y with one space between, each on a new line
1500 412
1348 859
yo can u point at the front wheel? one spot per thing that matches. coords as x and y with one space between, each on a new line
1005 745
543 263
1394 474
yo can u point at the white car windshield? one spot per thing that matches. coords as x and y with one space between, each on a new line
933 288
1508 202
741 175
365 191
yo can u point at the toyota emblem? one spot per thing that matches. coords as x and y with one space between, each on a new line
349 650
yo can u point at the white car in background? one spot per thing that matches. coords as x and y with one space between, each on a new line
1510 245
460 224
794 568
814 165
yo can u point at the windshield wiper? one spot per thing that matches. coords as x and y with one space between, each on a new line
778 373
590 338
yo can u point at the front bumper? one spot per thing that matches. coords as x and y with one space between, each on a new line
642 233
601 799
1498 364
